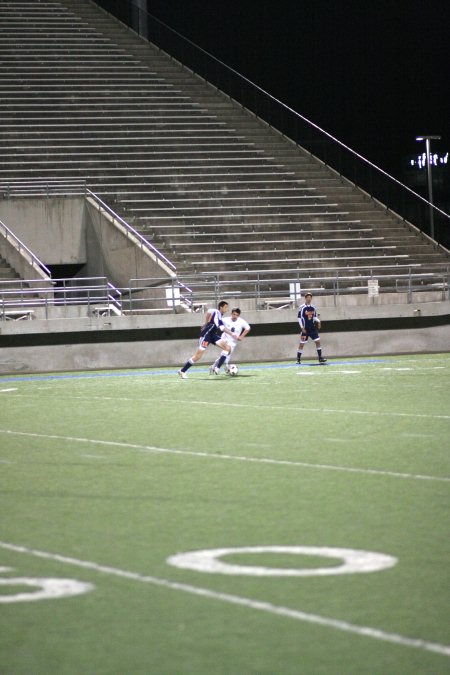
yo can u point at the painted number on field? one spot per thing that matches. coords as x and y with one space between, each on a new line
43 588
352 561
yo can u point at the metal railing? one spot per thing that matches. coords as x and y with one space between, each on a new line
268 289
72 188
271 289
377 183
133 234
23 250
42 187
18 296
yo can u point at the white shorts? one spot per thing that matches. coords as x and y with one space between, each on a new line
230 341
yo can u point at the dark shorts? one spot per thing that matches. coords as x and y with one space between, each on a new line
313 334
209 336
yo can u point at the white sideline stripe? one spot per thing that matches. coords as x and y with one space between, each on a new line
238 458
365 631
284 408
94 456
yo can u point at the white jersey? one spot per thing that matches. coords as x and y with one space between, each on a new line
237 327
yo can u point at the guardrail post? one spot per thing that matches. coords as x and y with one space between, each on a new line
216 290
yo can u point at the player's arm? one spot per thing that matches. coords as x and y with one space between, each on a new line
207 320
224 329
317 321
245 332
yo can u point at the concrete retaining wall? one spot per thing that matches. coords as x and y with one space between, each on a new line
168 340
75 230
54 228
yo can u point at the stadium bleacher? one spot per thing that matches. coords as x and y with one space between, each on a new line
212 186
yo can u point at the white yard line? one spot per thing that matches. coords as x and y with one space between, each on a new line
94 456
284 408
364 631
236 458
304 408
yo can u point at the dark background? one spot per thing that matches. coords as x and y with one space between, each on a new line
372 73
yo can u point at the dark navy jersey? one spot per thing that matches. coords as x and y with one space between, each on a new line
307 318
211 332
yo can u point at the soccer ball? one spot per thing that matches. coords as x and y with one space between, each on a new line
233 370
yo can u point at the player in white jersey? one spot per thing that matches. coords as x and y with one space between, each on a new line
213 332
238 328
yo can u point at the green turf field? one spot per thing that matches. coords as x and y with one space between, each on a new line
328 486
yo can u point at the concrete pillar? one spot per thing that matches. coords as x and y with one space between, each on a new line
139 18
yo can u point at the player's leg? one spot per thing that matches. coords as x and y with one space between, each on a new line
303 340
227 357
321 358
225 347
194 358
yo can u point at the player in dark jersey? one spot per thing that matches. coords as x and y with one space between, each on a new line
309 328
210 333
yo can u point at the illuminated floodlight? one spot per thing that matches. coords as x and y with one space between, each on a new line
427 139
430 138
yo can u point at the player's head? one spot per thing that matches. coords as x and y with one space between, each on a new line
308 298
223 306
235 313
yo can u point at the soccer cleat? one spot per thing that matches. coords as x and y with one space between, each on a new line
299 363
213 370
322 359
182 374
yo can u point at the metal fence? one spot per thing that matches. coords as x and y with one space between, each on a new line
276 289
27 299
268 290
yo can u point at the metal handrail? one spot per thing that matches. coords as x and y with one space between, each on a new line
130 231
283 278
18 295
32 259
37 187
195 292
61 187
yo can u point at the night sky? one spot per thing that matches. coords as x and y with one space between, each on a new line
373 73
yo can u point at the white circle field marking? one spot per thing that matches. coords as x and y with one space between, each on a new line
47 588
354 561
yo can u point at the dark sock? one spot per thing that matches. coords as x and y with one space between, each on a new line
220 361
186 366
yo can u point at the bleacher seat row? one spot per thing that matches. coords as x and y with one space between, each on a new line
208 183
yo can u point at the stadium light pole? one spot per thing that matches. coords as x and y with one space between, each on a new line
427 140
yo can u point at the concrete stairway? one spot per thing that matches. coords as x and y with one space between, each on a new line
11 290
7 273
210 185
